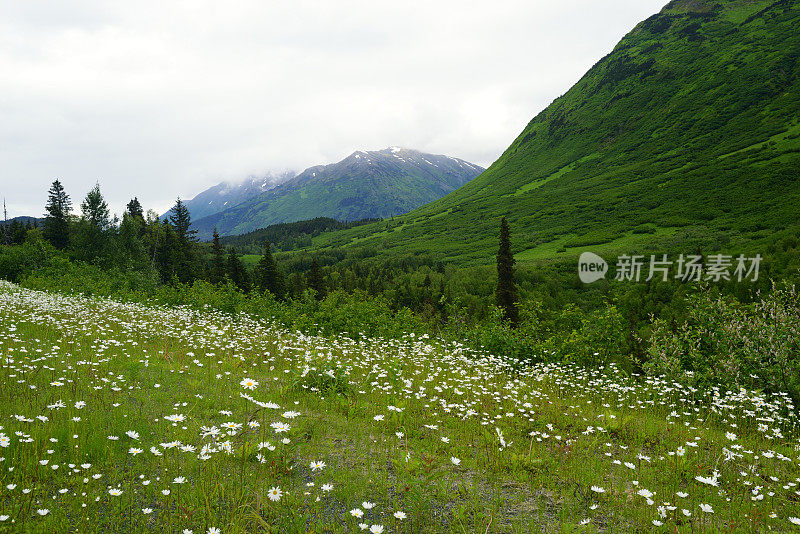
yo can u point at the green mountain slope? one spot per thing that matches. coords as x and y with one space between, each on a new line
686 132
364 185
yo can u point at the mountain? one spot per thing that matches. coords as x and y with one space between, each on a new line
228 194
364 185
25 219
686 134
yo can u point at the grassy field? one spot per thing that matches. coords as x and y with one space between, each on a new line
126 418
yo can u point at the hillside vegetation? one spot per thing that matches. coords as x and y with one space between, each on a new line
687 133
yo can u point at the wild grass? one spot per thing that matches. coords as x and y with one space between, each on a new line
121 417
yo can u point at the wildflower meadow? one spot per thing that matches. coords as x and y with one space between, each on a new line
122 417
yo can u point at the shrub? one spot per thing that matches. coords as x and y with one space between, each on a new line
16 262
728 343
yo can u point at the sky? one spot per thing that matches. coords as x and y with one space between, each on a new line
160 99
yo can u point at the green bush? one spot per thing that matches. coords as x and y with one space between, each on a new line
724 342
598 340
17 262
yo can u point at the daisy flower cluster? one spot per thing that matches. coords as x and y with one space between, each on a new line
175 417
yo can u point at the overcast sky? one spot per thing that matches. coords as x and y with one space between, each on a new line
165 98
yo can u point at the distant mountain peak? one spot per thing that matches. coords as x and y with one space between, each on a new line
365 184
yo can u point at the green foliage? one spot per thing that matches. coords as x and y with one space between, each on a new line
181 256
78 277
598 339
288 236
315 280
95 209
182 221
217 271
90 232
129 248
237 272
134 209
356 315
726 342
268 276
497 336
13 232
17 262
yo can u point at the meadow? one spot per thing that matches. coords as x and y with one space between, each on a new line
126 417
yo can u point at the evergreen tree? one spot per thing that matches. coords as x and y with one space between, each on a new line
182 222
315 280
56 222
187 262
268 276
167 252
13 231
90 237
217 274
95 209
237 272
506 293
134 208
6 230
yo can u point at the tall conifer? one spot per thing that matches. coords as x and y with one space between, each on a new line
217 260
506 293
315 280
268 275
56 222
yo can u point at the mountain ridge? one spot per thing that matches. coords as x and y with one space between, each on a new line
363 185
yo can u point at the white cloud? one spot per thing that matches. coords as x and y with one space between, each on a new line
165 98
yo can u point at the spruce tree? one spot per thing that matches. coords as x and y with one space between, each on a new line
237 272
506 293
90 232
315 280
56 222
6 232
166 252
268 276
182 222
187 261
12 231
217 274
135 210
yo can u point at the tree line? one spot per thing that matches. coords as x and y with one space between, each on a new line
168 248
